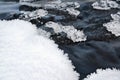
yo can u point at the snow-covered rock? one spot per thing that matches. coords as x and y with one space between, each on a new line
105 4
27 55
108 74
27 15
114 25
72 33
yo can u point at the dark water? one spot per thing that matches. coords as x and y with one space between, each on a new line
101 50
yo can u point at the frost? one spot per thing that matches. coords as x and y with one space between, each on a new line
27 55
105 4
26 15
114 25
72 33
108 74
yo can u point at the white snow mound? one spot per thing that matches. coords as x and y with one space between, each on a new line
107 74
26 55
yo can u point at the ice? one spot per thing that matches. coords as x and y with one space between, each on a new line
27 55
27 15
105 4
114 25
116 16
70 7
72 33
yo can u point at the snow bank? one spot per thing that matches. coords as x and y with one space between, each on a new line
114 25
107 74
26 55
105 4
72 33
27 15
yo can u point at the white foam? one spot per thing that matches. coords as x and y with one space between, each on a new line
27 55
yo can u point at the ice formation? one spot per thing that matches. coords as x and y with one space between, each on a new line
43 33
116 17
38 3
27 15
114 25
105 4
26 55
108 74
69 7
72 33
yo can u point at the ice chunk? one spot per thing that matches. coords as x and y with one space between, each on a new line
27 55
72 33
69 7
62 5
116 16
72 11
105 4
26 15
114 25
108 74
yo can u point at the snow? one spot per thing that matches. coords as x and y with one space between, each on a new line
27 55
26 15
105 4
72 33
114 25
108 74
